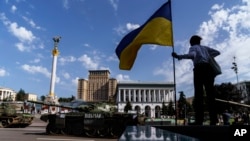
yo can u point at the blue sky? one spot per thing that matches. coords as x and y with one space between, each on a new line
91 30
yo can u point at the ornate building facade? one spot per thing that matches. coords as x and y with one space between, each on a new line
98 87
244 88
145 98
7 94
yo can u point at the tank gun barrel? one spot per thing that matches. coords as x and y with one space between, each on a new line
51 104
232 102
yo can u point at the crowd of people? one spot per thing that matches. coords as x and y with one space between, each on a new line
239 118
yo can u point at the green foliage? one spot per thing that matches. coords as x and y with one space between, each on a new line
127 107
164 109
182 105
228 92
20 96
170 109
69 99
42 98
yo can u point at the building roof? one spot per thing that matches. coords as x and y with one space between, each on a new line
99 71
144 84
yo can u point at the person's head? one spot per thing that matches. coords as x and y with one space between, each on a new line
195 40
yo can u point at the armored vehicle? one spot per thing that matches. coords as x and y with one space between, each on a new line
92 119
12 115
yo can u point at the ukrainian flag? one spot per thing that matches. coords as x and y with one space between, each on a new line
157 30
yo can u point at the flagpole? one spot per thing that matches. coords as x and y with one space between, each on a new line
175 89
175 102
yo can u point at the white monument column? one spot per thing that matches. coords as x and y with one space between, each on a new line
51 98
55 53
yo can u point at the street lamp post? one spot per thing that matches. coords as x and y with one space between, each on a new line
235 68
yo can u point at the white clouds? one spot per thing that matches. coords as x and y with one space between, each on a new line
75 81
27 40
20 46
39 70
121 30
231 37
86 45
66 75
31 23
114 4
88 63
3 72
36 69
13 8
112 58
37 60
121 77
66 4
67 59
21 33
228 31
131 26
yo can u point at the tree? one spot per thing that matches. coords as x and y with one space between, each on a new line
182 105
72 98
235 68
20 96
228 92
127 107
42 98
66 99
170 108
164 109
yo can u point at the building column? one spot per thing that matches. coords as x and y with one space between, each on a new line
139 95
149 95
154 98
134 95
164 96
129 95
144 95
169 96
159 96
167 100
119 95
124 95
172 96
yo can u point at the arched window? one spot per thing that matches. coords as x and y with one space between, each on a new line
138 109
147 111
157 111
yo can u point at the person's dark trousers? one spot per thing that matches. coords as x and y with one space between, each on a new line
204 78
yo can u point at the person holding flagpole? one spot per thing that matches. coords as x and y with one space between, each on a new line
203 78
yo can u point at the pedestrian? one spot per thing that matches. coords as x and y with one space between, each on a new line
226 117
245 118
203 78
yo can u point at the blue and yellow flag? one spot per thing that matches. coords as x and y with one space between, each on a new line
157 30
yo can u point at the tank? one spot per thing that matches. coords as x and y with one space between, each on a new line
92 119
12 115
